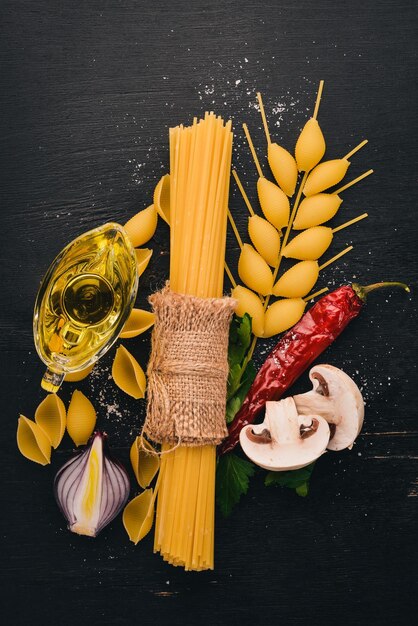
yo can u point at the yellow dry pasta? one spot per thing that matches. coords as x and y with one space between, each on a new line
298 281
249 302
145 462
143 256
51 417
162 198
282 315
317 209
265 239
310 244
81 418
283 167
32 441
128 374
75 377
200 161
310 146
325 175
254 271
274 203
141 227
137 323
138 516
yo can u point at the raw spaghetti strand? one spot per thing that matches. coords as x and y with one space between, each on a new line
200 163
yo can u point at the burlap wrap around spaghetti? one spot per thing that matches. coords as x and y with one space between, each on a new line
188 369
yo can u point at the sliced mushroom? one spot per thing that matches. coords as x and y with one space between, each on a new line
285 440
336 397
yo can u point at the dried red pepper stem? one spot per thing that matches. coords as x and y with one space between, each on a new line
297 349
363 292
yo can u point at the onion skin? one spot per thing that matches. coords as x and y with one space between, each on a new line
91 488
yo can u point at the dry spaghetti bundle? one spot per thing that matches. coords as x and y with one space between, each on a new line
188 366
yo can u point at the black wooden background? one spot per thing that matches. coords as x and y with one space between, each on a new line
88 92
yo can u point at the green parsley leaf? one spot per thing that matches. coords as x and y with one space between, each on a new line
234 403
234 379
241 374
239 339
295 479
233 473
303 489
244 331
232 479
232 407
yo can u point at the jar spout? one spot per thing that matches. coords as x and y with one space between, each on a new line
52 380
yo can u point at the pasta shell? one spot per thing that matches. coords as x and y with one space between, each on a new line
143 256
162 198
75 377
282 315
249 302
137 323
254 271
141 227
145 464
274 203
298 281
284 168
32 441
265 238
81 418
128 374
316 210
310 244
325 175
51 417
310 146
138 516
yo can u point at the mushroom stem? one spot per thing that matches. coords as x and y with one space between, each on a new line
313 402
282 420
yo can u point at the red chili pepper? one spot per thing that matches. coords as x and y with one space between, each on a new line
297 349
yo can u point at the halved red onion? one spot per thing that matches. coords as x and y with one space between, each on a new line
91 488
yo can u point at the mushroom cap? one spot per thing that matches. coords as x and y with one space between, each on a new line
278 443
348 404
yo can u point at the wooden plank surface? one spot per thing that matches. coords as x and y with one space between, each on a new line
88 92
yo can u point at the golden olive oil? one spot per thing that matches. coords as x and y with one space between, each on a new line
83 302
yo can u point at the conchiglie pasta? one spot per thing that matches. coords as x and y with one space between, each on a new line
128 374
81 418
310 146
298 280
51 417
282 315
310 244
143 256
32 441
284 168
249 302
265 239
138 516
162 198
141 227
316 210
137 323
254 271
145 461
325 175
75 377
274 203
